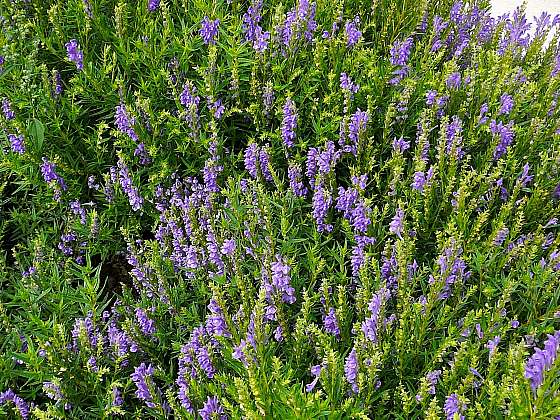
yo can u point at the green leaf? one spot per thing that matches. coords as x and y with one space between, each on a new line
36 129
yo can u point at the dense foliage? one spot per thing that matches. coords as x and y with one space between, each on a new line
266 209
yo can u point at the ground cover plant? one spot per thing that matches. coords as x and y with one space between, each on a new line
278 209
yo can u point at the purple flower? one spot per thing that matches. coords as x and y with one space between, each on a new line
453 406
299 23
431 96
281 281
74 53
347 84
212 409
147 325
218 108
253 31
289 123
134 198
506 134
454 144
209 30
482 118
142 378
117 397
316 372
525 178
356 128
251 160
48 170
454 81
400 145
331 323
153 5
353 34
501 236
264 164
7 109
19 403
53 391
432 379
322 200
542 360
506 104
492 345
216 322
400 52
124 122
296 184
371 324
351 370
396 225
17 143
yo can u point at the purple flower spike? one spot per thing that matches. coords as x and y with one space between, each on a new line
209 30
75 54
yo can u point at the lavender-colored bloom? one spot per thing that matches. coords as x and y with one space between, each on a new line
212 409
347 84
316 372
142 378
48 170
396 225
419 181
296 184
228 247
251 160
217 108
371 324
351 370
124 122
264 164
136 201
74 53
501 236
432 379
17 143
542 360
482 118
525 178
400 145
209 30
322 200
353 34
492 345
77 209
517 34
453 406
299 23
454 81
253 31
216 322
53 391
281 281
147 325
331 323
356 128
289 123
153 5
7 110
454 144
506 137
514 323
142 154
20 404
506 104
117 400
268 98
400 52
556 192
431 97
